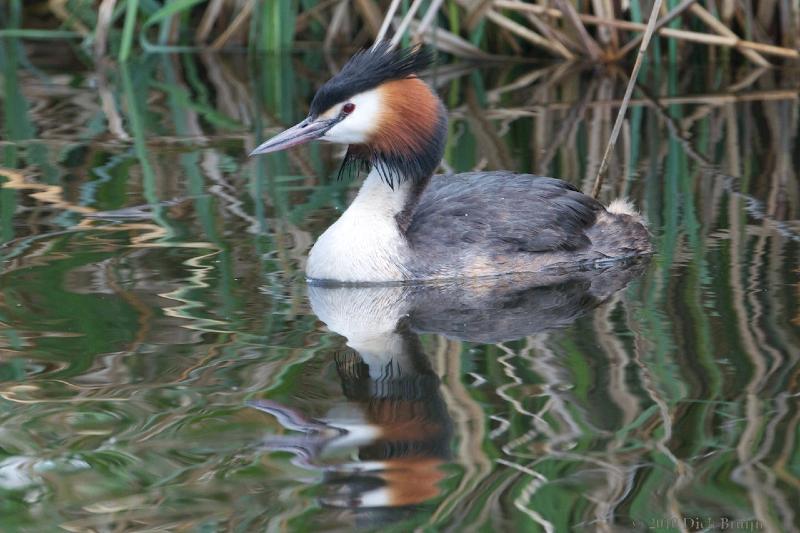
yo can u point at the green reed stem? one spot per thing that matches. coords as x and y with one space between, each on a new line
39 34
127 31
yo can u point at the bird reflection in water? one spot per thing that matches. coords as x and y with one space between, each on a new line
382 452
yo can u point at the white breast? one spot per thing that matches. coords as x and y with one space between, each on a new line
365 244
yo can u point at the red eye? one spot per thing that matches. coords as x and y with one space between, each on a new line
348 108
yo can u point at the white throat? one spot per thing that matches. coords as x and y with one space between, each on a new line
365 244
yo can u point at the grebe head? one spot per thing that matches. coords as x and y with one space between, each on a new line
379 107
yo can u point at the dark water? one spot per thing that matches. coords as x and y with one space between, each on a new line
164 366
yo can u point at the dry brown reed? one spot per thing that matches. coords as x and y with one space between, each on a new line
601 30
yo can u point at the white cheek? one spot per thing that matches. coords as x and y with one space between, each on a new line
358 125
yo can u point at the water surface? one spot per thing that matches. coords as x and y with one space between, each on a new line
164 366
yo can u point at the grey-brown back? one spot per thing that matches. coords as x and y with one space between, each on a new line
484 223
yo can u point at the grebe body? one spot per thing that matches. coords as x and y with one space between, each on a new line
407 224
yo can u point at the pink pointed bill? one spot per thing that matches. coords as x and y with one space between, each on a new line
306 131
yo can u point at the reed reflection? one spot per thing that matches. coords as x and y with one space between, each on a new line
383 449
678 399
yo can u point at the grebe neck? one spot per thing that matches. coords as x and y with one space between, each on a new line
395 200
368 241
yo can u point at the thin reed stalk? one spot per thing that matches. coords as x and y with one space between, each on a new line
669 17
651 26
131 7
387 20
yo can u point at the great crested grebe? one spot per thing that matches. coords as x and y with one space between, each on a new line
407 224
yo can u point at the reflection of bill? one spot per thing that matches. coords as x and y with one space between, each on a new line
395 421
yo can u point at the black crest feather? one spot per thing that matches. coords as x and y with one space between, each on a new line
366 70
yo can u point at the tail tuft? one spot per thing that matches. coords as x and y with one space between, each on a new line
623 206
621 231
